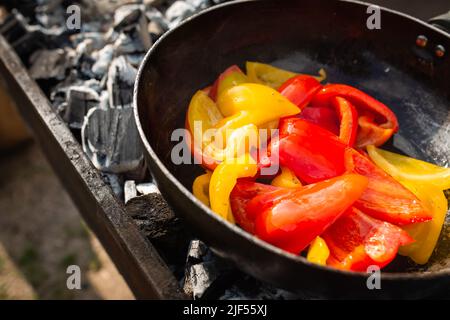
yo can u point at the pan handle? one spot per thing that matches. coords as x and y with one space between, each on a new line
442 22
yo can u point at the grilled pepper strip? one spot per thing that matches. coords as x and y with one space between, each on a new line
318 252
377 123
426 181
406 168
223 181
357 241
324 117
348 116
201 116
286 179
243 192
271 76
300 90
426 234
311 152
200 187
293 220
231 77
385 198
253 103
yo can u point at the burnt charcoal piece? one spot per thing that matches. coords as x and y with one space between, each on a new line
127 15
115 182
199 278
134 38
80 99
25 38
49 64
206 275
155 16
103 59
111 141
146 188
159 224
121 76
179 11
130 191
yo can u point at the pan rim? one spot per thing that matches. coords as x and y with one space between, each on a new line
397 276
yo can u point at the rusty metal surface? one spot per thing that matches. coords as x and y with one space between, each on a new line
137 260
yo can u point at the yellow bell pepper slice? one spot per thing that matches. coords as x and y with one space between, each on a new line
252 103
286 179
426 234
427 182
406 168
200 187
224 179
239 142
230 78
204 110
318 252
271 76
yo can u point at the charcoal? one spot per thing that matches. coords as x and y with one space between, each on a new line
197 251
204 272
155 16
135 59
127 14
134 38
179 11
104 100
85 47
154 3
244 287
97 39
51 14
161 227
130 191
79 101
94 84
200 278
49 64
111 141
120 83
155 30
147 188
103 60
115 182
199 4
26 38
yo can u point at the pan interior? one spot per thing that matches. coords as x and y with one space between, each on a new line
305 36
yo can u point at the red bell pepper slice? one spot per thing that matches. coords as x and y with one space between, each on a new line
242 193
300 89
377 123
294 219
357 241
348 115
311 152
322 116
385 198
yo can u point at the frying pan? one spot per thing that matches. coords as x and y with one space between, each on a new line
303 36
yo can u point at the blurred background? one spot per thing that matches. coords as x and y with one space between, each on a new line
41 232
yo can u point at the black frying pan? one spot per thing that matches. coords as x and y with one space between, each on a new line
301 36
